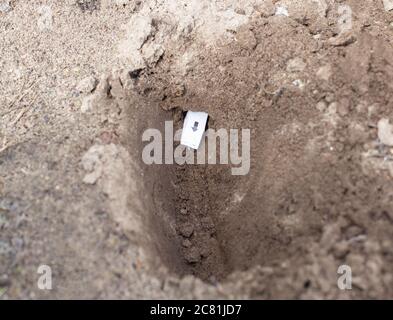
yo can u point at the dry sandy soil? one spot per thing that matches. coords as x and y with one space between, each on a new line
82 79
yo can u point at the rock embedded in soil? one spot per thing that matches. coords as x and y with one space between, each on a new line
324 72
87 104
343 107
186 243
388 5
5 281
88 5
192 255
385 132
342 40
266 8
296 65
321 106
186 230
87 85
5 7
246 39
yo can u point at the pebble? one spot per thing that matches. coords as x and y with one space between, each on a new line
281 11
385 132
356 133
4 281
343 107
186 230
87 85
186 243
388 5
321 106
296 65
329 98
192 255
342 40
324 72
5 7
266 8
87 104
246 39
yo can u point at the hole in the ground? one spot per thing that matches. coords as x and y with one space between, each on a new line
207 222
190 207
186 205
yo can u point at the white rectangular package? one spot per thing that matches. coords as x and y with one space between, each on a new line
193 129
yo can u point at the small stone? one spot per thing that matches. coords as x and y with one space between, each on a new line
321 105
91 163
372 110
87 104
343 107
385 132
342 40
192 255
205 251
299 83
324 72
329 98
332 109
246 39
281 11
186 230
183 211
240 11
356 133
5 7
92 178
87 85
296 65
88 5
361 108
186 243
388 5
5 281
152 54
266 8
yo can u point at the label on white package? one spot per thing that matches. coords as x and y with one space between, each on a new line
193 129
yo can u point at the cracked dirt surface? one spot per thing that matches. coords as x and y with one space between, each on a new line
81 81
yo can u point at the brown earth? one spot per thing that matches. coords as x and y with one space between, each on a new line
75 194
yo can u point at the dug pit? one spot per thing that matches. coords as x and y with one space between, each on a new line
206 221
201 219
